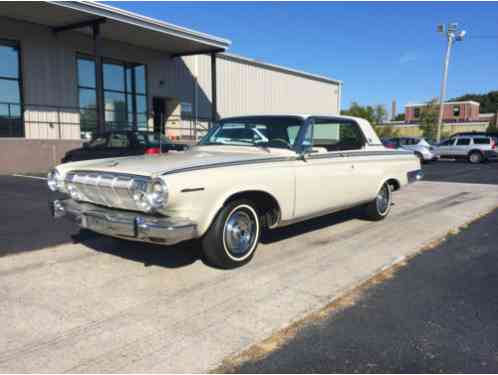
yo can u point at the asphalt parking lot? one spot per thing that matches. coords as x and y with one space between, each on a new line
438 314
83 302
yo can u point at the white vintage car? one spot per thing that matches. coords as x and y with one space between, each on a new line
247 174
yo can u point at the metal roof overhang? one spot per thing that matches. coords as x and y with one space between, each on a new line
119 25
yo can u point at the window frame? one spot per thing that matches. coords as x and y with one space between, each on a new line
134 122
17 44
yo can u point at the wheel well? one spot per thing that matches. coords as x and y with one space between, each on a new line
265 203
395 185
474 151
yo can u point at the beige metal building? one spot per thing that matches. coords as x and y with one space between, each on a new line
69 69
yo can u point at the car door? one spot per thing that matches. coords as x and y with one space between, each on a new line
444 149
330 177
461 147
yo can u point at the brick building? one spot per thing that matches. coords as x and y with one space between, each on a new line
465 111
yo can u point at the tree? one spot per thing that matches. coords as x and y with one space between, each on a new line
357 110
492 128
428 119
400 117
488 102
376 115
380 114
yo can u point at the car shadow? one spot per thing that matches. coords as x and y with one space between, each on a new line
311 225
176 256
189 252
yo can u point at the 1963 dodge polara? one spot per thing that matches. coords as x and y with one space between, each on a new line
247 174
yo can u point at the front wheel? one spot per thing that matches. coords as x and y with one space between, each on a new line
233 236
379 208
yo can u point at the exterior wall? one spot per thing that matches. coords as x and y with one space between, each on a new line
468 112
246 88
19 155
50 93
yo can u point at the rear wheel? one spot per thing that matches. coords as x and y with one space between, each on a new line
380 207
234 235
475 157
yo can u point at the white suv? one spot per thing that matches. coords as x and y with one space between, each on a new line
476 149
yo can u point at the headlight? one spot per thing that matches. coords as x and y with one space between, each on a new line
150 196
55 181
157 194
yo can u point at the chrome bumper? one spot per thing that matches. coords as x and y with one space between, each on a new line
414 176
125 224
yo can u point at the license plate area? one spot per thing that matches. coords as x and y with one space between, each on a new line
102 225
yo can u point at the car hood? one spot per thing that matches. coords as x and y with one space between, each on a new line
196 157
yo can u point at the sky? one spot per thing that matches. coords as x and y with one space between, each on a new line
381 51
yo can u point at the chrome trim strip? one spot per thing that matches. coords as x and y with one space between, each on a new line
335 154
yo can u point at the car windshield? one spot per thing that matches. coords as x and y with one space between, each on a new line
266 131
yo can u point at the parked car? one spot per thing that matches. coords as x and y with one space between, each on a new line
475 148
122 143
473 134
248 173
420 147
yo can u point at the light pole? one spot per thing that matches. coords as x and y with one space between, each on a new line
452 35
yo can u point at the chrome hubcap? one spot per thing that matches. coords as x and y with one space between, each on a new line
474 158
240 232
383 199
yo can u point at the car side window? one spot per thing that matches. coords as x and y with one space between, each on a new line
119 140
449 142
463 142
481 141
337 135
98 142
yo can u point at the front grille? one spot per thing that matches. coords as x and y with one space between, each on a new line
106 189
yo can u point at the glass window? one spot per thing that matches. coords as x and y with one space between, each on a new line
9 60
254 131
481 141
456 110
87 95
86 73
114 77
140 82
119 140
337 135
98 142
449 142
463 142
416 112
11 124
9 91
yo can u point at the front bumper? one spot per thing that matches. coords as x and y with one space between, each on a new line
414 176
125 224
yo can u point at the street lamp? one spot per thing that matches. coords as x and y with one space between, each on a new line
452 34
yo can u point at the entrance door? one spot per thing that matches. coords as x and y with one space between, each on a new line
159 108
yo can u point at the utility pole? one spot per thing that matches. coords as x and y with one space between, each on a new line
452 35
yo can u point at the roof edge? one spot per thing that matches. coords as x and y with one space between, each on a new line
120 15
280 68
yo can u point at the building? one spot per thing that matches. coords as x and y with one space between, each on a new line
69 69
465 111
